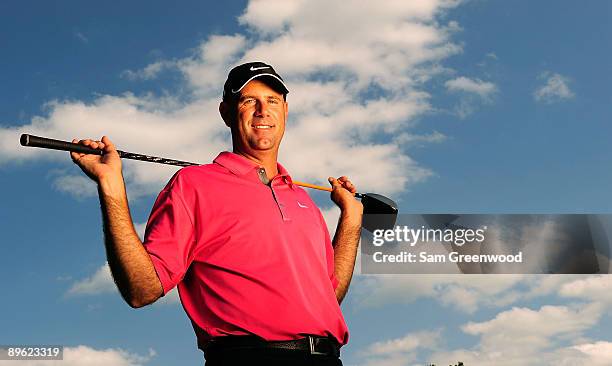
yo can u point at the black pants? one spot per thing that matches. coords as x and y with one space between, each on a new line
269 357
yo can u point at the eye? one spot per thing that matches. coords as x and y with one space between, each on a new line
248 101
273 101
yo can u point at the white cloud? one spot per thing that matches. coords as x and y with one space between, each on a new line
544 285
408 343
330 69
515 337
555 89
151 71
81 37
101 282
473 93
390 360
417 140
87 356
594 354
522 336
78 185
594 288
399 351
131 123
511 326
583 354
331 214
207 69
257 14
140 229
468 293
170 298
549 335
484 89
460 292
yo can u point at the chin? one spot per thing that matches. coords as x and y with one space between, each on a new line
260 145
263 148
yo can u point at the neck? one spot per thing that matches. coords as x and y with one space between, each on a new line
267 159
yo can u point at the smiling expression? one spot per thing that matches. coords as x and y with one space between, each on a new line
260 119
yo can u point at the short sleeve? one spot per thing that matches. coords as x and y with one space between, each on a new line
329 252
169 236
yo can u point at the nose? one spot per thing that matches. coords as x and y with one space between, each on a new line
261 109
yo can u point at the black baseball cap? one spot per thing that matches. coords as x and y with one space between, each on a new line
240 75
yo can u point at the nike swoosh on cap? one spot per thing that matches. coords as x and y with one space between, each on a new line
259 68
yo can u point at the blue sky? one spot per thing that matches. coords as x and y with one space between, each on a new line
476 106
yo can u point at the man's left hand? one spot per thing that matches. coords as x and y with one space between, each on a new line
343 195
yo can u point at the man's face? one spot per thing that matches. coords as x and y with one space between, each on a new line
260 119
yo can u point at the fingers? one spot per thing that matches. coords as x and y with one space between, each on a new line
73 155
343 182
105 144
334 182
346 183
96 144
343 195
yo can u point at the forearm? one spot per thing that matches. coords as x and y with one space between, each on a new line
129 262
346 241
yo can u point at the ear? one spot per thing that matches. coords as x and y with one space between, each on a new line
225 111
286 110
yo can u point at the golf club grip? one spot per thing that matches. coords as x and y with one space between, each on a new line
37 141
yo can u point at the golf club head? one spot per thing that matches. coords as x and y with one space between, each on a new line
379 212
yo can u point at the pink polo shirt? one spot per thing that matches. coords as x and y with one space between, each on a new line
248 259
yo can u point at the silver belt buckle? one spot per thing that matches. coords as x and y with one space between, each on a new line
311 342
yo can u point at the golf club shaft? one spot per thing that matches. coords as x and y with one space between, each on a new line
321 188
47 143
313 186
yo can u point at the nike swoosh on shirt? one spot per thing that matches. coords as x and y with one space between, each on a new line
301 205
259 68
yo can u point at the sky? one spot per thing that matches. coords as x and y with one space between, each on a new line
447 106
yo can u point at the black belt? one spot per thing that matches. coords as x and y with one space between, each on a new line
313 345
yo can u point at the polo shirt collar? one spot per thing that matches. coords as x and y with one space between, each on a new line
239 165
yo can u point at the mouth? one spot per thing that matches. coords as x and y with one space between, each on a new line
262 126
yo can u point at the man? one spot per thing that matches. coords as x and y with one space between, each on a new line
257 273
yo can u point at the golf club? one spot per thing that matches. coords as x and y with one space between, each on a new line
380 212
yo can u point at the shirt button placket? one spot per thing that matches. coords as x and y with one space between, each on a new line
281 206
263 177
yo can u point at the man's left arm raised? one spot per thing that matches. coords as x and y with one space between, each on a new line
348 231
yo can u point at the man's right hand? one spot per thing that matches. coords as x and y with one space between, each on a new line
98 167
129 262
